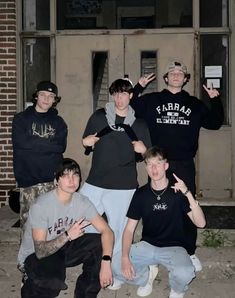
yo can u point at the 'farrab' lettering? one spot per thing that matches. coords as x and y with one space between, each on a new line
173 107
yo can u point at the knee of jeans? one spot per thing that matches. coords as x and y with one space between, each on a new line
185 274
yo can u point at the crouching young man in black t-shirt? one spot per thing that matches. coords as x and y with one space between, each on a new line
161 207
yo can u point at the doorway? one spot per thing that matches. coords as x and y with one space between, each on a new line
125 54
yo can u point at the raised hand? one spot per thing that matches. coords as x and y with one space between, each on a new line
212 92
179 185
145 80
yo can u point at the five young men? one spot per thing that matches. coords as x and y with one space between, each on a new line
56 231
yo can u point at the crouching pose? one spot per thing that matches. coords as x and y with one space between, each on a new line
55 238
161 207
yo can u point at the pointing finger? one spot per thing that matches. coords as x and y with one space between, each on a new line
177 178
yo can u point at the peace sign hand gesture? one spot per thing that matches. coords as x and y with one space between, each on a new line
211 91
146 79
179 185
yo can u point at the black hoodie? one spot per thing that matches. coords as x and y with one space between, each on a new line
174 120
39 140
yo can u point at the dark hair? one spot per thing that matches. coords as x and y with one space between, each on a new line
35 98
155 152
186 75
121 85
68 164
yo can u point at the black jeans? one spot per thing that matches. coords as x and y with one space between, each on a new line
46 277
185 170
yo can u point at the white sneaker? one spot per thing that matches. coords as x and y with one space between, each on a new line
174 294
196 263
116 285
148 288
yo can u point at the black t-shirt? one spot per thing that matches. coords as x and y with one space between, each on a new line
113 161
163 220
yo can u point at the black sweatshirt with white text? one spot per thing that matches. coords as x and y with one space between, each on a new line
39 141
174 120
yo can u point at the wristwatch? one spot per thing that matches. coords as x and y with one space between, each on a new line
106 258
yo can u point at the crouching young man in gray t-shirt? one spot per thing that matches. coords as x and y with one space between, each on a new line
55 238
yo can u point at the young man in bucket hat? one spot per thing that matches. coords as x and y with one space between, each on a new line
39 137
174 119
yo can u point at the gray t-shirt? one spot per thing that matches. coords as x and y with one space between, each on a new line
48 213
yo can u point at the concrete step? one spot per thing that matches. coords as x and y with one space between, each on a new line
8 219
10 234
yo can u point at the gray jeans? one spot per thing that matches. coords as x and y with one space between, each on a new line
142 254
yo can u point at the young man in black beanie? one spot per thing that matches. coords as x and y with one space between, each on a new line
39 137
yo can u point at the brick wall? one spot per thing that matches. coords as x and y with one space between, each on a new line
7 94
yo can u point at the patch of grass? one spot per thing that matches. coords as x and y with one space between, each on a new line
213 238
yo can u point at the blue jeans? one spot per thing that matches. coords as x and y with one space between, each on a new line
114 203
142 254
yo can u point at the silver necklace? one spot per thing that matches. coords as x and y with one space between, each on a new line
160 194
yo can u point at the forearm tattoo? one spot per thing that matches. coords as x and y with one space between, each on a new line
46 248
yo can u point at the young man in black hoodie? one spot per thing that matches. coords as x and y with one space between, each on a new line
39 138
174 119
118 141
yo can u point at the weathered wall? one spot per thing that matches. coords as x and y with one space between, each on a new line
7 93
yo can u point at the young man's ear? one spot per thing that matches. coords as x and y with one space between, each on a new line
131 95
166 166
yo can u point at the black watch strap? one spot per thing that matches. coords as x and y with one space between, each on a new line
106 258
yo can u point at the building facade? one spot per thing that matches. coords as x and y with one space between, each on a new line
84 45
7 94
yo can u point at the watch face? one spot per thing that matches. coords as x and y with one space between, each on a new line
106 258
